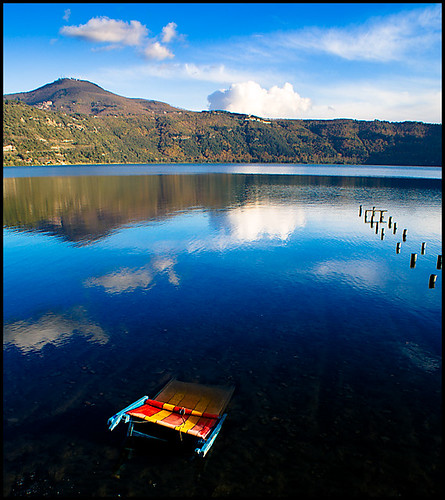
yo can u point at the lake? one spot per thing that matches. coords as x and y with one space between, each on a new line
268 278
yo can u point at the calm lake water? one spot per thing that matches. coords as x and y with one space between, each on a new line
117 279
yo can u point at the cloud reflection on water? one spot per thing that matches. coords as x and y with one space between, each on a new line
128 280
124 280
51 328
358 272
246 225
420 357
264 221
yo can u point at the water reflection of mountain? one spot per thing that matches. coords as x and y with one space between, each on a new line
87 208
84 209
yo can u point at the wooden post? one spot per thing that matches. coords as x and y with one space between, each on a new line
398 247
360 211
439 262
422 251
390 222
382 233
404 234
412 263
394 228
366 216
432 282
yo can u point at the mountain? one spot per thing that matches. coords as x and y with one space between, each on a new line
70 95
77 122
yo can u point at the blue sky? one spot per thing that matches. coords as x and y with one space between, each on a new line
279 60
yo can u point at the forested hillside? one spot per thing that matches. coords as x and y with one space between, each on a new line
33 136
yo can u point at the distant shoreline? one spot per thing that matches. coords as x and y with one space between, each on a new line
316 170
342 165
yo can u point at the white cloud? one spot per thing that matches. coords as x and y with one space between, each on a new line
169 32
384 100
103 29
250 98
395 37
155 50
67 14
219 73
216 73
118 33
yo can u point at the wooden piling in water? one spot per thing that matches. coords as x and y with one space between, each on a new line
412 263
398 245
439 262
432 281
366 216
422 250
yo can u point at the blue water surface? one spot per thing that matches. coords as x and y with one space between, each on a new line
235 275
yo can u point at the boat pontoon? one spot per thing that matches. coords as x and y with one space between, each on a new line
188 408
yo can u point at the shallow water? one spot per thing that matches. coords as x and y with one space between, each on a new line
273 283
